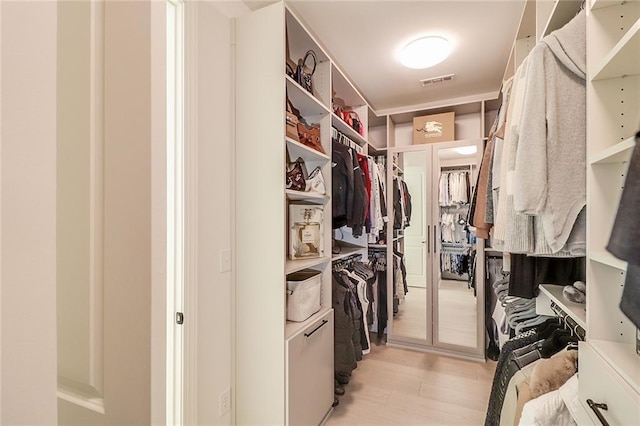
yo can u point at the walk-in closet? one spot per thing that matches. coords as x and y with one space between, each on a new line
302 212
468 248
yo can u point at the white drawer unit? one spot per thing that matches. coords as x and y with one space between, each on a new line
310 379
602 385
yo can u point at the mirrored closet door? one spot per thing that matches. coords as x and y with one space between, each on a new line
436 279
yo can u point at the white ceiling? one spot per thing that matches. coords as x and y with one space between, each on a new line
363 37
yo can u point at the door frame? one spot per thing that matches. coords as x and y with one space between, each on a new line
391 338
431 343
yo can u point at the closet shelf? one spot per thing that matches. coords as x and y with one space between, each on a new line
373 151
304 101
296 149
599 4
608 259
616 63
293 328
292 266
622 357
339 124
344 89
561 13
618 153
348 251
577 311
305 196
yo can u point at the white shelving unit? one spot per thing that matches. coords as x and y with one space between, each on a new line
606 258
285 373
618 153
611 372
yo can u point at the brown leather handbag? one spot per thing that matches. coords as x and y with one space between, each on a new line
292 122
310 136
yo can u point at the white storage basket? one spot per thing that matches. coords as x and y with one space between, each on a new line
303 294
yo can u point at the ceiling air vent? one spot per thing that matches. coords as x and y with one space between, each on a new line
441 79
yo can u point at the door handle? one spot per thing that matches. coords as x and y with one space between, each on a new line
434 238
324 322
596 407
428 239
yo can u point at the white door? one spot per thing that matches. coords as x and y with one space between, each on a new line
110 213
417 235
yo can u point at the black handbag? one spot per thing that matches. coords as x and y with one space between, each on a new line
304 74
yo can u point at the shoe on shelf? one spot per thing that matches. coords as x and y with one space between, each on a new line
573 294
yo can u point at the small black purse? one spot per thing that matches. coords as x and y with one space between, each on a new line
302 74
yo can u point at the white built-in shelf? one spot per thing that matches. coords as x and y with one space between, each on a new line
377 246
608 259
305 196
344 89
347 251
618 153
622 357
298 265
373 150
293 328
305 102
347 130
622 60
577 311
599 4
296 149
563 11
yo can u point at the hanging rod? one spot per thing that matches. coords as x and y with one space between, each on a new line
569 321
456 168
346 140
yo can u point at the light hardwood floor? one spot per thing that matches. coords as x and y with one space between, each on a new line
393 386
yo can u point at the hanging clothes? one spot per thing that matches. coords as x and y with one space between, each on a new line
350 200
550 167
454 188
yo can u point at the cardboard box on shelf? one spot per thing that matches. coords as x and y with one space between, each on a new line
434 128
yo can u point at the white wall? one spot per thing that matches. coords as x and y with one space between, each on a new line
209 114
28 213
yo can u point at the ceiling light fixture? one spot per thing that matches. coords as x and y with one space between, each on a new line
467 150
425 52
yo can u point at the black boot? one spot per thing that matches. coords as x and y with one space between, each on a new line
339 390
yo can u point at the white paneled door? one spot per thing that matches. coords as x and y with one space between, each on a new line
110 223
418 235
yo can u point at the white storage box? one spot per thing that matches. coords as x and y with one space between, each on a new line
303 294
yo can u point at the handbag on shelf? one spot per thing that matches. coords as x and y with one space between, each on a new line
315 182
310 136
304 73
292 122
352 118
296 175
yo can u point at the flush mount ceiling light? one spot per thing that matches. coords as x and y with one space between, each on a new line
467 150
425 52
